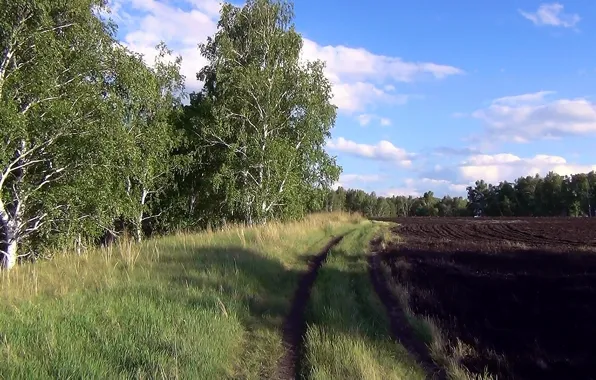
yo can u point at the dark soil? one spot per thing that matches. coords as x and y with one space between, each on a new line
295 325
520 292
400 329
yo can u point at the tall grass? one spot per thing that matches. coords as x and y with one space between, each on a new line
348 335
204 306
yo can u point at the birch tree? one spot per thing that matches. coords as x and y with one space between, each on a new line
51 56
270 113
147 98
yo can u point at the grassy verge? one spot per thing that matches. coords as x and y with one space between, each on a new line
348 334
202 306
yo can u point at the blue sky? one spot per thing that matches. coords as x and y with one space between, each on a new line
431 95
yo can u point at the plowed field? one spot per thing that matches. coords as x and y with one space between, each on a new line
520 294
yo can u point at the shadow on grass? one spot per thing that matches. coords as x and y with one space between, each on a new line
256 289
196 312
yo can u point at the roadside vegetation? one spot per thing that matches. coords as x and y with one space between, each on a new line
348 333
204 306
98 141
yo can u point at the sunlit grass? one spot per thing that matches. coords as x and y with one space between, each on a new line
205 306
348 334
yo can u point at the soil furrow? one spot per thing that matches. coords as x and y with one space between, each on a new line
400 328
295 324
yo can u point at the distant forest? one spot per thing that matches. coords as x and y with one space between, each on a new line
552 195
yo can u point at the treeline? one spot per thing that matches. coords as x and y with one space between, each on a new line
97 143
371 205
552 195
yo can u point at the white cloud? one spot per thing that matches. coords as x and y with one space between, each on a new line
360 77
343 61
366 118
351 178
352 97
352 181
442 185
382 151
526 117
535 97
209 7
552 15
506 166
417 187
147 22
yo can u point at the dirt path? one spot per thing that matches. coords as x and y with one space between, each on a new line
400 328
295 325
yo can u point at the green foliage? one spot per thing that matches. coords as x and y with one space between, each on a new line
52 111
396 206
96 142
552 195
263 116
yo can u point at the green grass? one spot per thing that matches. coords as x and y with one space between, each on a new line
348 335
202 306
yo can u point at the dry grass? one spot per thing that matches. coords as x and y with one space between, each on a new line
205 305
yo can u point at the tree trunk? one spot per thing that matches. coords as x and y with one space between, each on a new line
139 231
9 259
9 246
139 223
9 225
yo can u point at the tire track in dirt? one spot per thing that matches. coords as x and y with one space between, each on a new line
295 324
400 327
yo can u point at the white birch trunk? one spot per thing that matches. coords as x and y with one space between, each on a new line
139 224
10 243
9 260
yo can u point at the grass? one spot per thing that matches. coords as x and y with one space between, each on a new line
348 335
202 306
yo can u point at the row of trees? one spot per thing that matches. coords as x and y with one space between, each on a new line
552 195
96 142
371 205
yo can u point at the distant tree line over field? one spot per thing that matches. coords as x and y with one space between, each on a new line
552 195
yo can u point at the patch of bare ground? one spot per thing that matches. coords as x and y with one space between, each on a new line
401 329
295 324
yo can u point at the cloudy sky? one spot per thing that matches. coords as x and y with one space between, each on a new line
431 94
